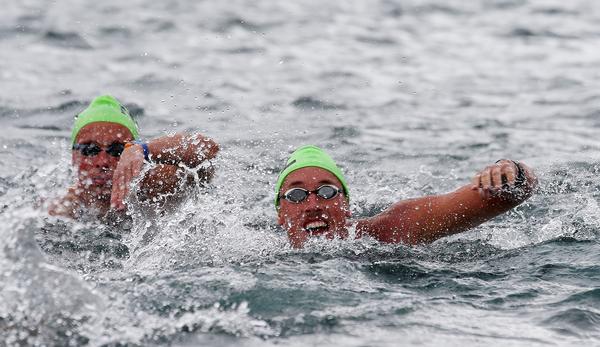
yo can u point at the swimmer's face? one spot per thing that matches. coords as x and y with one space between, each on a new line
314 216
96 171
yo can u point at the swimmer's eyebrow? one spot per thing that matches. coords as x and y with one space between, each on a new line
326 182
296 183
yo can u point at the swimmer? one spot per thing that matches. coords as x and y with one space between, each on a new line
108 156
312 201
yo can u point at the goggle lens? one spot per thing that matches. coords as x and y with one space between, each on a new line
115 149
296 195
91 149
327 192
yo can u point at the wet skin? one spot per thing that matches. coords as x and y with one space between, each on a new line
314 216
104 182
491 192
95 173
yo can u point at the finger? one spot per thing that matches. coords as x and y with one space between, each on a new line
482 193
508 171
486 179
476 182
486 183
120 193
114 196
496 176
115 187
126 185
137 168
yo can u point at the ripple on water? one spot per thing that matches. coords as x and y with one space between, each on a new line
397 272
514 300
119 32
6 112
376 40
588 298
312 103
233 22
244 50
555 11
345 132
152 81
159 25
66 39
523 32
575 321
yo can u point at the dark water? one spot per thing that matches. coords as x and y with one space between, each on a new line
411 97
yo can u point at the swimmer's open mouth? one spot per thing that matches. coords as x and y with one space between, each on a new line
316 227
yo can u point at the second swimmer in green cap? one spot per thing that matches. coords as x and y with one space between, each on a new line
312 200
107 156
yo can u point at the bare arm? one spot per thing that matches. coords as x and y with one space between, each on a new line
170 151
190 150
166 179
493 191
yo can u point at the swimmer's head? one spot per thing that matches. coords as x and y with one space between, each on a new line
312 197
99 136
306 156
104 108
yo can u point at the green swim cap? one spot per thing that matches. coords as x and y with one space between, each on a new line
104 108
310 156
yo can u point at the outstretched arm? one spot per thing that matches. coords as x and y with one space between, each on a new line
493 191
170 152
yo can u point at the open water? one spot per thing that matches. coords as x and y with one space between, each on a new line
411 97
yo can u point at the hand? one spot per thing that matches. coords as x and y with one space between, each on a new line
129 167
500 178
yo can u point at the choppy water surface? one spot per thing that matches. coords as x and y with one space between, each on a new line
412 98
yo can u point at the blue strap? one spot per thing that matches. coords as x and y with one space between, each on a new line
145 148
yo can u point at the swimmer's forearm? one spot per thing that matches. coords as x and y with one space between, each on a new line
424 220
187 149
427 219
167 179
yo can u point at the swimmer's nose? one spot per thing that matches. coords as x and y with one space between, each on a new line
102 160
313 202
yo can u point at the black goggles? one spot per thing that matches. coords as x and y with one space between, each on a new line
297 195
91 149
